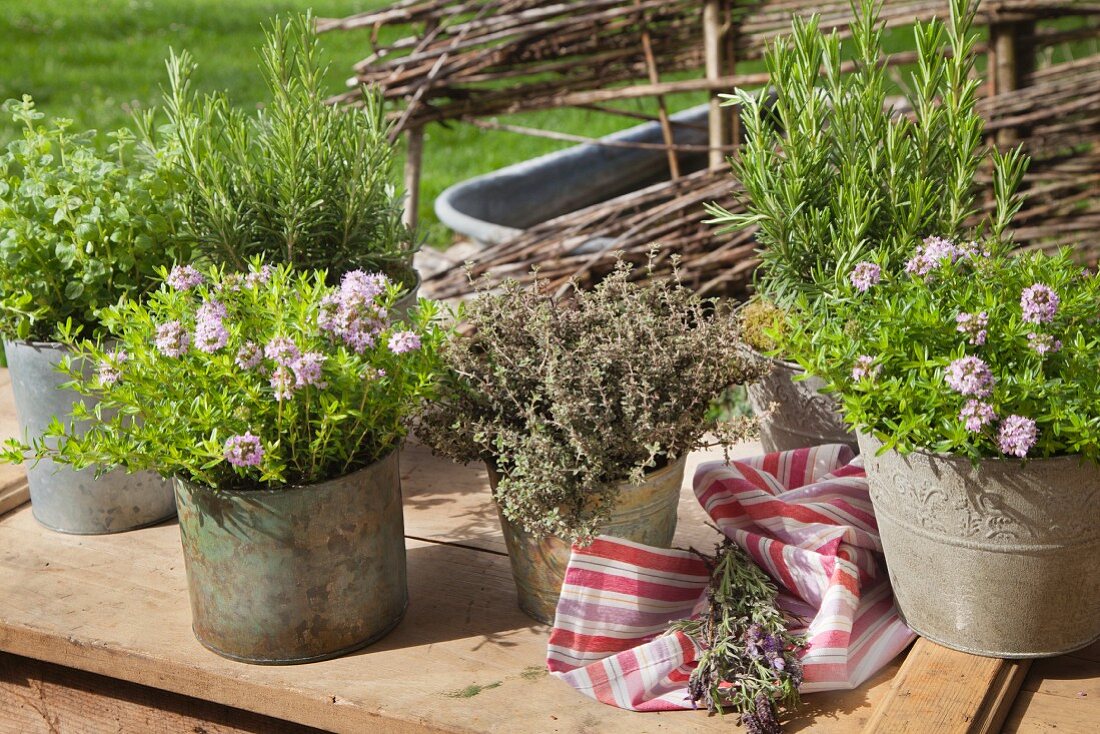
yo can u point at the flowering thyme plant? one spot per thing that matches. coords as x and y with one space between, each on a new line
750 661
242 381
967 351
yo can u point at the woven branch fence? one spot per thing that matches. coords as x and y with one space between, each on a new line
467 60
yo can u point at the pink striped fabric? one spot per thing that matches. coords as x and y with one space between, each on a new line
804 516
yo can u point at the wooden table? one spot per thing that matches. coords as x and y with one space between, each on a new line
95 633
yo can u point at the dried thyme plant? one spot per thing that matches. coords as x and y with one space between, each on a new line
300 181
749 663
568 398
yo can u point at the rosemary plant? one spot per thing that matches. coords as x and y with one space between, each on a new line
749 664
300 182
833 174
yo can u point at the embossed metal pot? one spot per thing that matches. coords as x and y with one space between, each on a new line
62 499
998 559
645 513
297 574
797 414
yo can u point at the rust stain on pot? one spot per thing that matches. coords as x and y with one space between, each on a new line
298 574
645 513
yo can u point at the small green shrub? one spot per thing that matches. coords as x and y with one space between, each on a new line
79 229
299 181
569 398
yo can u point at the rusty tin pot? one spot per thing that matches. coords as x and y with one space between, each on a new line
645 513
796 413
298 574
64 499
997 559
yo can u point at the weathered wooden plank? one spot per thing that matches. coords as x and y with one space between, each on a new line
40 698
1039 713
947 691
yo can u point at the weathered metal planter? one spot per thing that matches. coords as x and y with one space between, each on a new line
62 499
796 413
998 559
298 574
645 513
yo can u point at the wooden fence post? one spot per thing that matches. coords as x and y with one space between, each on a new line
1012 59
414 159
718 54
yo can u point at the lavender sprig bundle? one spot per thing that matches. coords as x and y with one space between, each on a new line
749 663
245 380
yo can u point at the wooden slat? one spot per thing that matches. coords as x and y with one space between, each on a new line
13 481
39 698
948 692
1060 695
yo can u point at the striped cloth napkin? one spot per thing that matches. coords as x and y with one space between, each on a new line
804 516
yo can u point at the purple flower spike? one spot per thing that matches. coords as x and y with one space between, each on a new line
977 415
973 324
307 370
1043 344
282 350
184 277
1017 435
110 369
249 356
864 275
210 331
172 339
1039 303
244 451
865 368
284 382
970 376
404 341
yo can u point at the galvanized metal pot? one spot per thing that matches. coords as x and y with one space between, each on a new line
998 559
297 574
796 413
62 499
407 302
645 513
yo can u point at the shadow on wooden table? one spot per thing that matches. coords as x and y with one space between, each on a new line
459 594
840 706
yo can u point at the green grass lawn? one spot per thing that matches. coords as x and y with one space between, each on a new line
94 62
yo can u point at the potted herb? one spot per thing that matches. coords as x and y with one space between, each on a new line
299 181
832 174
972 377
584 411
277 403
78 230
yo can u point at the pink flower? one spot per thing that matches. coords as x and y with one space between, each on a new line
1039 303
172 339
282 350
404 341
282 380
1043 343
249 356
973 325
865 368
184 277
110 369
245 450
307 370
258 277
977 415
1017 435
210 332
970 376
864 275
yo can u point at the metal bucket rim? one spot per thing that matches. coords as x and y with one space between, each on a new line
954 459
281 491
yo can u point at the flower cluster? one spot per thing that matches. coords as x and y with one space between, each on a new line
997 355
864 275
238 384
352 314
